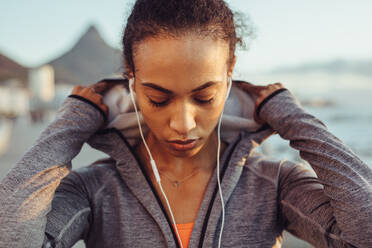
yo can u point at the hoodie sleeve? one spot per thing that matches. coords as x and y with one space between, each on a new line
27 190
332 208
70 216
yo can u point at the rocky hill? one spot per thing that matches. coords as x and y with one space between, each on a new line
88 61
9 69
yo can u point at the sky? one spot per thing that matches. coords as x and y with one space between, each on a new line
288 32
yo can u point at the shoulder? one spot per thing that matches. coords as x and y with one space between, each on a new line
276 171
263 166
91 177
101 167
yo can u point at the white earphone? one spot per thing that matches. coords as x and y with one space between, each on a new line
155 170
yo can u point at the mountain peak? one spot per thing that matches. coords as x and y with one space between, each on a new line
88 61
91 35
92 29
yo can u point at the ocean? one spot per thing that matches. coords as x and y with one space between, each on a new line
348 117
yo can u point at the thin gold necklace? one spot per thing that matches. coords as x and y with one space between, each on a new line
177 183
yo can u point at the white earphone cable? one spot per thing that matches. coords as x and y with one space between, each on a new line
218 164
152 161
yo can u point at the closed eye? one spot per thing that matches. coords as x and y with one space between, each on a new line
158 104
200 101
164 103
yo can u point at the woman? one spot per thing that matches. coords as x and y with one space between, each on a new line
180 57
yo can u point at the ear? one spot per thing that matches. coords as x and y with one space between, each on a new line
231 67
129 74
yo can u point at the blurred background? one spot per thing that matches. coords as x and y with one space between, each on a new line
320 50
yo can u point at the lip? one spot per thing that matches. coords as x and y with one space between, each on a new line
183 145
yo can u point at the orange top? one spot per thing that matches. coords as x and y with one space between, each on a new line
184 230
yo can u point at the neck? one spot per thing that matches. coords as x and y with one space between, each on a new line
205 159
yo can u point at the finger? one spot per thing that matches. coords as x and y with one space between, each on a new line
100 87
116 81
279 85
103 86
87 93
251 87
245 86
113 83
76 89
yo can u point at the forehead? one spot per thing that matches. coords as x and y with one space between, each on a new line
166 60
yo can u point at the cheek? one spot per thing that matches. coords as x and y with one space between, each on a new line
154 118
208 117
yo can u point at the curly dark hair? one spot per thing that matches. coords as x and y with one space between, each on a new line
151 18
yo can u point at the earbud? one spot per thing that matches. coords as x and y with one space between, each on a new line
229 87
131 83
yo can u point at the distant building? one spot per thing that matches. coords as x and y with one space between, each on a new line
42 89
42 86
9 69
14 93
41 83
13 98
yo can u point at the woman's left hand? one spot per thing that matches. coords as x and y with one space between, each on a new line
260 95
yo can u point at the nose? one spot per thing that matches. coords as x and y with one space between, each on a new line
182 119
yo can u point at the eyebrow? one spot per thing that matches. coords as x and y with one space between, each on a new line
169 92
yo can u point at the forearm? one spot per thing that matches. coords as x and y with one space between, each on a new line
346 179
27 190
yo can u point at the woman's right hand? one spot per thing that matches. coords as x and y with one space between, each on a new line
27 190
94 93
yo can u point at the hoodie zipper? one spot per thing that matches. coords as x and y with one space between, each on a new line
207 216
206 219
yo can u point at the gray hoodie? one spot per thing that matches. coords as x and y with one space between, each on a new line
112 203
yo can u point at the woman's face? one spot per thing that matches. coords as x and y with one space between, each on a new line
181 85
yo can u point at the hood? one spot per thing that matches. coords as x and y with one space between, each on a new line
117 139
237 115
